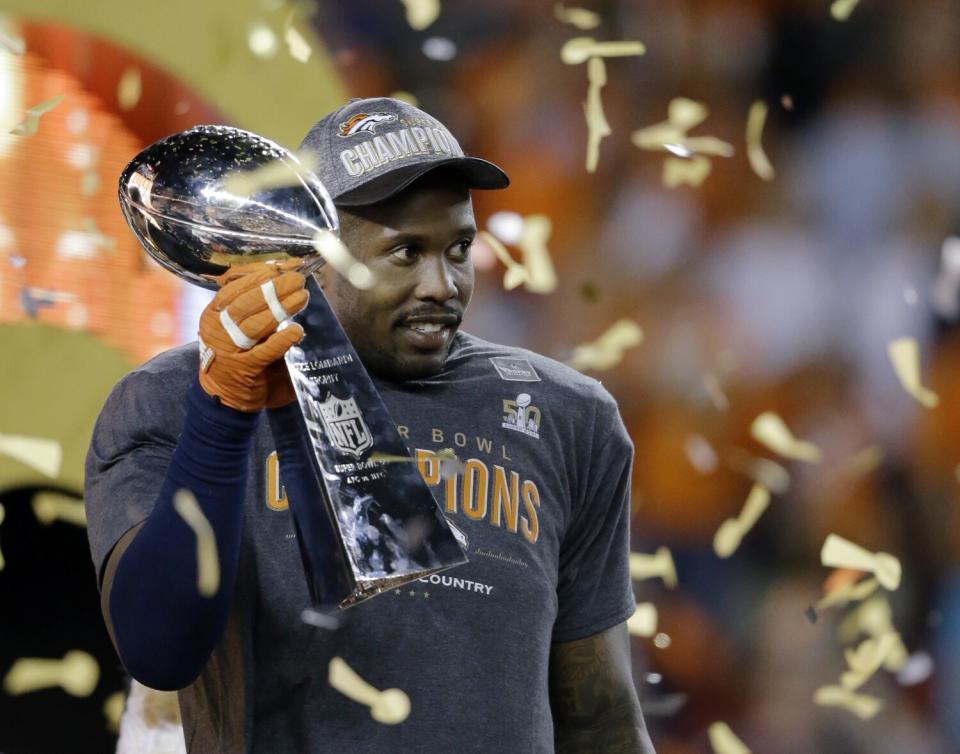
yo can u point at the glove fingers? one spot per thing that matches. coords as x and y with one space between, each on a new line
274 347
252 301
235 286
258 326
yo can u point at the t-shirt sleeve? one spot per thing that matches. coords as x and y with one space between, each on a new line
594 589
133 440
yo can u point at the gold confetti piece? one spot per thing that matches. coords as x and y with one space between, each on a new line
841 9
77 674
90 183
607 350
3 514
659 565
113 710
671 134
786 101
580 17
336 253
516 273
855 592
390 706
678 172
770 430
875 618
838 552
761 470
129 89
733 530
11 42
580 49
724 740
905 355
866 659
51 506
864 461
711 384
98 238
299 48
208 563
541 275
643 622
421 13
29 125
662 640
274 174
863 706
262 41
701 454
755 155
598 128
408 97
43 455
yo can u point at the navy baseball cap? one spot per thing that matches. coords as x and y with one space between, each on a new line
370 149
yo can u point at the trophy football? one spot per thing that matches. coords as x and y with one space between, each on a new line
205 199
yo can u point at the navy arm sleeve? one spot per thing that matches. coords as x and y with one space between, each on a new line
164 629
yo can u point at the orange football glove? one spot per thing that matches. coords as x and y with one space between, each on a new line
239 342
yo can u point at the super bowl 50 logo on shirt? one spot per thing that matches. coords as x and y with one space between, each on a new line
521 416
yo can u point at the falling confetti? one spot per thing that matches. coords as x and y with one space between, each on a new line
90 182
262 41
917 669
863 706
298 47
43 455
724 740
598 128
320 620
659 565
841 9
580 17
12 43
77 674
662 641
272 175
838 552
755 155
711 384
439 48
335 252
701 454
29 125
945 295
762 470
733 530
208 563
770 430
855 592
542 277
113 711
643 622
691 166
129 89
580 49
51 506
607 350
863 462
866 659
786 102
421 13
390 706
905 355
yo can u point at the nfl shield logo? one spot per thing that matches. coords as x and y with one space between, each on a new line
346 429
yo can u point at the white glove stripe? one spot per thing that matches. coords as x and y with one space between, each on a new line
270 295
239 338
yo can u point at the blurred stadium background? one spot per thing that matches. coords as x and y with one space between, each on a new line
753 296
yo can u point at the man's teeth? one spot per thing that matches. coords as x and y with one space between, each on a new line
426 326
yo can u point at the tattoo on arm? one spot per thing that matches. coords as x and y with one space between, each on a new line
594 703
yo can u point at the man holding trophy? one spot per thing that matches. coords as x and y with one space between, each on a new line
495 597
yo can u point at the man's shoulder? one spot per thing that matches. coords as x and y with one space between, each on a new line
521 365
166 374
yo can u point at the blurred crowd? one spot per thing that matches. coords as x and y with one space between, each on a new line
753 296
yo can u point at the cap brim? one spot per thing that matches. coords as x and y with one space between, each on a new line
475 172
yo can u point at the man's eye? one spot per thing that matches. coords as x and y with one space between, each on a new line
404 254
462 249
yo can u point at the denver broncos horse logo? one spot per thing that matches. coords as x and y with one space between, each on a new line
365 123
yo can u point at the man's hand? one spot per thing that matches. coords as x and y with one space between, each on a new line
592 697
239 342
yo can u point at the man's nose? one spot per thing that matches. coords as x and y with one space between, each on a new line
437 281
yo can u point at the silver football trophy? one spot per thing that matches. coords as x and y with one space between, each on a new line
197 206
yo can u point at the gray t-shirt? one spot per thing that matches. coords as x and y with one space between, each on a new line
543 501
